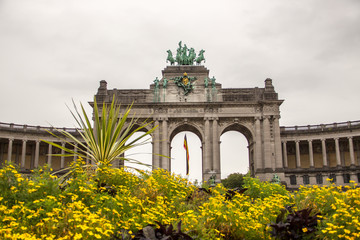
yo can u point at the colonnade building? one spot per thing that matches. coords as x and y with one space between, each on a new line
311 154
185 98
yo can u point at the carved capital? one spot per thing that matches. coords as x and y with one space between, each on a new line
276 117
164 119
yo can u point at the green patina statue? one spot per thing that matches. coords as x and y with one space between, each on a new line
185 82
156 81
170 58
276 179
165 83
212 180
200 57
213 83
185 56
206 82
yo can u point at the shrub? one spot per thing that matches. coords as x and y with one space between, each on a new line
35 207
234 180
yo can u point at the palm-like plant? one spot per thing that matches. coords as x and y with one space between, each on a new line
106 142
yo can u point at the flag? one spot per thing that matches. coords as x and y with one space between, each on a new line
187 155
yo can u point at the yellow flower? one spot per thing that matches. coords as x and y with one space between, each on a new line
304 229
77 236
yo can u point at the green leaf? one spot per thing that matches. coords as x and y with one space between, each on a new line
106 141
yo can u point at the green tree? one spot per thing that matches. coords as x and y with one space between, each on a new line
234 180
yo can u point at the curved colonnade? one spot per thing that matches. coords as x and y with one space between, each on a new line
311 154
22 145
314 153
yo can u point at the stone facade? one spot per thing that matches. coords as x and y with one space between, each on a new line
208 111
298 155
22 144
312 154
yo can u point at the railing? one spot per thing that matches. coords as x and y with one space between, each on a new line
25 128
322 127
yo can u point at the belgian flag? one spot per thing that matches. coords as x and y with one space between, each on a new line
187 155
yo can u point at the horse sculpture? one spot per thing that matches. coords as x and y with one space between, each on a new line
170 57
200 57
179 56
184 55
192 56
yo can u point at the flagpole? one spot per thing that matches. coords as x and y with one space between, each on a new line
187 155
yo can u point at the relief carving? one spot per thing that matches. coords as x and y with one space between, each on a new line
270 108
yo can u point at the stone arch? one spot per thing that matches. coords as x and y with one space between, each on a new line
120 163
191 127
248 133
208 111
242 128
136 126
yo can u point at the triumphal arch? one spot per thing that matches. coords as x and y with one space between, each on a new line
187 98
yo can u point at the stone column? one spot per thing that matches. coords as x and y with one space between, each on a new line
351 150
258 162
165 148
75 150
37 151
87 156
11 140
311 154
323 144
1 153
278 155
216 149
267 146
62 159
297 148
156 146
337 150
285 154
207 159
23 153
49 158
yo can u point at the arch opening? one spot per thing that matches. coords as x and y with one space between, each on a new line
142 153
178 155
236 151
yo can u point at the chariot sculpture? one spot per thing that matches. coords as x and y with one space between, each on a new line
185 56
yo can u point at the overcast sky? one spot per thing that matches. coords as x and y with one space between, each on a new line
54 51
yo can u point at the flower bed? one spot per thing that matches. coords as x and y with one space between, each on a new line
115 204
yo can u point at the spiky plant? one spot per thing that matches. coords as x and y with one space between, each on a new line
106 141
